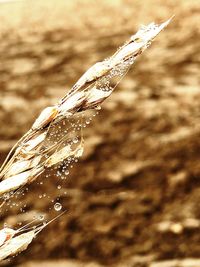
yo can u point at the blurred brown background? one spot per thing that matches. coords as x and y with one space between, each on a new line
133 200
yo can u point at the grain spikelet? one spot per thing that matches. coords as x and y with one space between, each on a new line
34 152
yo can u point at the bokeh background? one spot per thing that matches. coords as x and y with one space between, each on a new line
133 199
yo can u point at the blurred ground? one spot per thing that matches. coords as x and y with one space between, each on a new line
134 198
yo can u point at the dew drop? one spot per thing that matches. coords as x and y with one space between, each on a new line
98 107
75 140
57 206
41 217
6 196
67 172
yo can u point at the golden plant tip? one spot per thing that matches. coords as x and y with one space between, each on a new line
166 23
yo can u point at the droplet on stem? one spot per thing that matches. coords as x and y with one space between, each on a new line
57 206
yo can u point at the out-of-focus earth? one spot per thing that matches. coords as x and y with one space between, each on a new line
133 200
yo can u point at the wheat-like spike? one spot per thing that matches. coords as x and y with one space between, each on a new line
30 155
10 244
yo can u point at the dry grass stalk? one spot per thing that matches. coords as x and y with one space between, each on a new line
36 151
